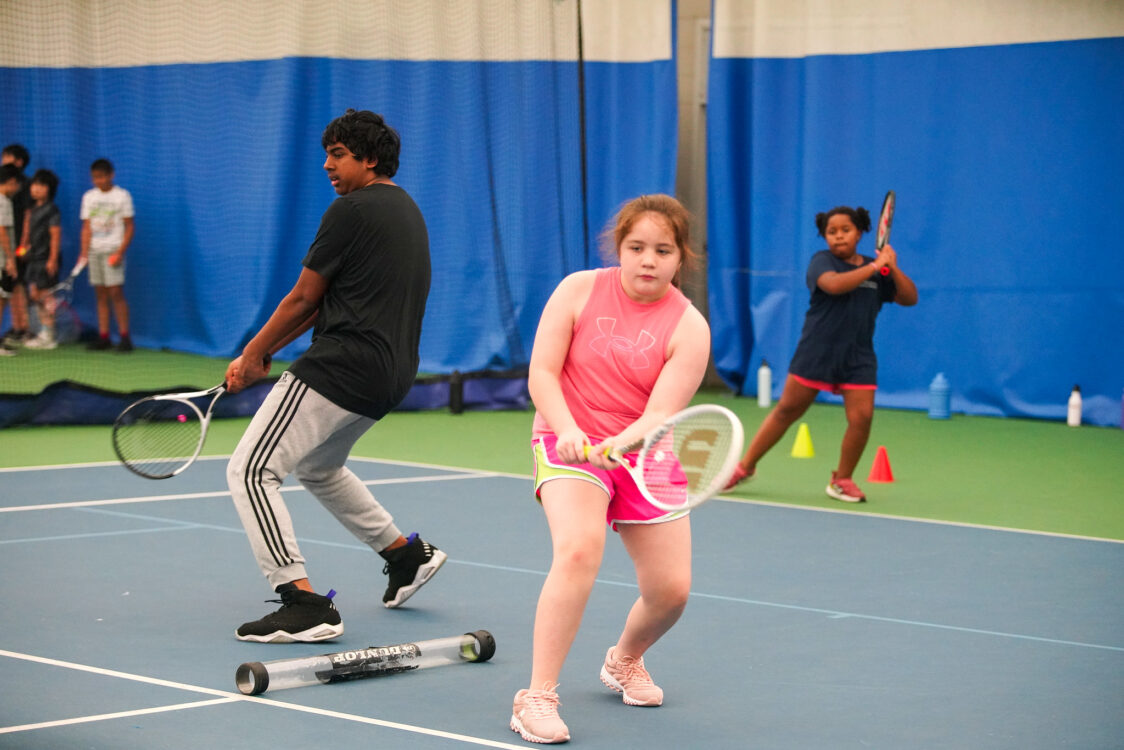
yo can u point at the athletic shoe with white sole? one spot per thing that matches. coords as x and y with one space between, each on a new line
45 340
534 715
304 617
410 567
627 676
844 488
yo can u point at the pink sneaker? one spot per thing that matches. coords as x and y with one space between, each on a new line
740 475
845 489
627 676
534 715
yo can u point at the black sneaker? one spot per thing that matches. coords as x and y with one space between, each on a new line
304 616
125 345
409 568
99 344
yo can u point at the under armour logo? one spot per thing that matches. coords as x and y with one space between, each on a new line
637 349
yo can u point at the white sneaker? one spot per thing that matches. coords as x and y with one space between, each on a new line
6 352
42 341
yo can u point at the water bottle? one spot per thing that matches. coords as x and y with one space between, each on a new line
939 397
764 385
1073 408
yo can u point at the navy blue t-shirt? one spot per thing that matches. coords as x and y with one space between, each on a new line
837 343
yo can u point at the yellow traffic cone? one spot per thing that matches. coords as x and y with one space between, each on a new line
802 448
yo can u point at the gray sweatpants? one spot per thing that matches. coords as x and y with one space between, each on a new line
298 431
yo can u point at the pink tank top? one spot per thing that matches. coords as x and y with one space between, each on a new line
617 351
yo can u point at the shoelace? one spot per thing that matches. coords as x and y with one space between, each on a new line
541 703
634 672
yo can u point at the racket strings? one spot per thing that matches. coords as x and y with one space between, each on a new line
157 437
688 461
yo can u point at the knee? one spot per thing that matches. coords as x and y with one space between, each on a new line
578 560
861 418
786 414
670 596
239 474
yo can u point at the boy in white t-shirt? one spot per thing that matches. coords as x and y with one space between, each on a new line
107 230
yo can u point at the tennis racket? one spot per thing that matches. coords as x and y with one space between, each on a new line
65 288
687 460
158 437
68 326
885 223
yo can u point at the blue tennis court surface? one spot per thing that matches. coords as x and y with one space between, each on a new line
806 629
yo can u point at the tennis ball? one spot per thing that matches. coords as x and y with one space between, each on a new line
182 417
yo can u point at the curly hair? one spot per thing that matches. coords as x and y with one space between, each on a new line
366 135
860 216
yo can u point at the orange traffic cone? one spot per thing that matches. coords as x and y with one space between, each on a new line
880 471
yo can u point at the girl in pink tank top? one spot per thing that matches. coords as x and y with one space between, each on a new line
617 351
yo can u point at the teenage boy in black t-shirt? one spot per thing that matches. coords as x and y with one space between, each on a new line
364 285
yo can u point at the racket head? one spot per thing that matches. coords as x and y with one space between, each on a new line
885 220
689 458
158 437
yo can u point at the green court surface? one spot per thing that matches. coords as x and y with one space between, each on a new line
1011 473
30 371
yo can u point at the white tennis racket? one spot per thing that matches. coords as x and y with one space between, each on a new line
62 291
68 326
686 460
160 436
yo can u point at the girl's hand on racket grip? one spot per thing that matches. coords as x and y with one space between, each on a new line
571 446
601 456
887 259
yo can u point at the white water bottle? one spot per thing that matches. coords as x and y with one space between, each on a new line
764 385
1073 408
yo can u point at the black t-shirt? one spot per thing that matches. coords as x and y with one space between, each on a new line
39 242
373 248
21 201
837 343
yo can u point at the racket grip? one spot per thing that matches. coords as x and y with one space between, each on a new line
884 270
254 678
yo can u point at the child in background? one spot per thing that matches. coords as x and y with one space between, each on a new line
42 236
9 184
18 157
107 230
617 351
836 348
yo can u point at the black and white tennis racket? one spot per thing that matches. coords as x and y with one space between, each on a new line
160 436
885 223
686 460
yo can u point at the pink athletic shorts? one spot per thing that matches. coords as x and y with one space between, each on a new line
626 504
835 388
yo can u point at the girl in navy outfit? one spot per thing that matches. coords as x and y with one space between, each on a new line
836 349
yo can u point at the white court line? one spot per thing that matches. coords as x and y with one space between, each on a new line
117 715
469 473
224 696
224 493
